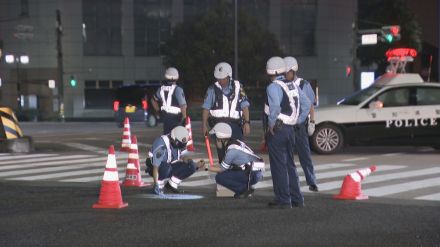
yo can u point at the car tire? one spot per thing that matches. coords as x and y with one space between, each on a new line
327 139
151 121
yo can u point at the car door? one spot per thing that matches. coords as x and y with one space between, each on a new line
383 120
426 128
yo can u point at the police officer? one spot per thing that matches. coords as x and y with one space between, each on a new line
167 167
172 99
306 128
241 169
226 101
284 100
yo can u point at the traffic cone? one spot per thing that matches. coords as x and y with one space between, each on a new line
189 144
110 194
263 147
126 140
133 172
351 187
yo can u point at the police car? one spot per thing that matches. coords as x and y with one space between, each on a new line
398 109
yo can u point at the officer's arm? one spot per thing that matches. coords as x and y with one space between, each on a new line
274 96
155 105
180 95
305 106
312 97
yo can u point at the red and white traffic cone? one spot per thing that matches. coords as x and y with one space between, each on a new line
189 144
351 187
126 136
110 194
133 176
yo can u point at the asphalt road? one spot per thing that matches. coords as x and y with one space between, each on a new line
48 210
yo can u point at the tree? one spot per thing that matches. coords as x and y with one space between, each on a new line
378 13
197 46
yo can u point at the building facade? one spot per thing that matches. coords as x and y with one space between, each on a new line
109 43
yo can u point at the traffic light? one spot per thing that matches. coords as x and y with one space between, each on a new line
72 81
391 33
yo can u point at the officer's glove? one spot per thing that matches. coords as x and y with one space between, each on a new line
157 190
311 128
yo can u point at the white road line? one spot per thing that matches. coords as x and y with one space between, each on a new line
23 161
391 154
64 174
431 197
16 157
85 147
402 187
355 159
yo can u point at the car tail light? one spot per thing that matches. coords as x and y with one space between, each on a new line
144 104
115 105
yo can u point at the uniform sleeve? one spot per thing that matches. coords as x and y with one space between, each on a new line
304 106
274 96
157 95
180 95
308 90
209 99
228 160
159 151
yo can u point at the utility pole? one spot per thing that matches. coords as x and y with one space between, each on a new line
235 41
354 52
59 33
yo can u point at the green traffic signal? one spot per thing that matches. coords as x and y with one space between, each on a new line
72 81
389 38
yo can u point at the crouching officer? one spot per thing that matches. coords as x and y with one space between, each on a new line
226 102
166 165
172 98
241 169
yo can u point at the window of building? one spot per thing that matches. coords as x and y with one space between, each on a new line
102 21
152 26
298 26
24 8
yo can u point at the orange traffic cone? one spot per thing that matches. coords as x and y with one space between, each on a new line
189 144
126 140
351 187
110 194
133 172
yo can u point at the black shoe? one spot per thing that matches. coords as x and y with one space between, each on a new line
171 189
298 204
313 188
277 205
244 195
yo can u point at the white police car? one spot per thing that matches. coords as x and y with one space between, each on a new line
398 109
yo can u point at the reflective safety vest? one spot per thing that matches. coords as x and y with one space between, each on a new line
300 82
169 101
166 139
257 165
226 106
289 104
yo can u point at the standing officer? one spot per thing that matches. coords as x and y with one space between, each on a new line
226 101
166 166
172 98
241 168
306 128
284 100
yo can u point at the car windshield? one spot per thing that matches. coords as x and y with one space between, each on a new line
359 96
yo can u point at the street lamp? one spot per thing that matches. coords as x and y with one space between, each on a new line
23 59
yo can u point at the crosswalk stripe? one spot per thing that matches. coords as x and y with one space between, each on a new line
16 157
432 197
402 187
47 159
63 174
385 177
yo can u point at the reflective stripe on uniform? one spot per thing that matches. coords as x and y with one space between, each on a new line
166 103
292 94
166 139
228 111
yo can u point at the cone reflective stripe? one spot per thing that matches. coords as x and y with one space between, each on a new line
126 136
189 144
133 176
110 193
351 187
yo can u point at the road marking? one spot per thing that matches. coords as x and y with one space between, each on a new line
355 159
402 187
85 147
31 160
391 154
64 174
16 157
432 197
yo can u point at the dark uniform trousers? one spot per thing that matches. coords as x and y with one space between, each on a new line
284 176
237 181
170 121
302 147
180 170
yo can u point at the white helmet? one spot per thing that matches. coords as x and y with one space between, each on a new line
221 131
180 134
222 70
275 66
291 64
172 74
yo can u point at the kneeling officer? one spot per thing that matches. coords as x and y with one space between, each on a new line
240 169
166 165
